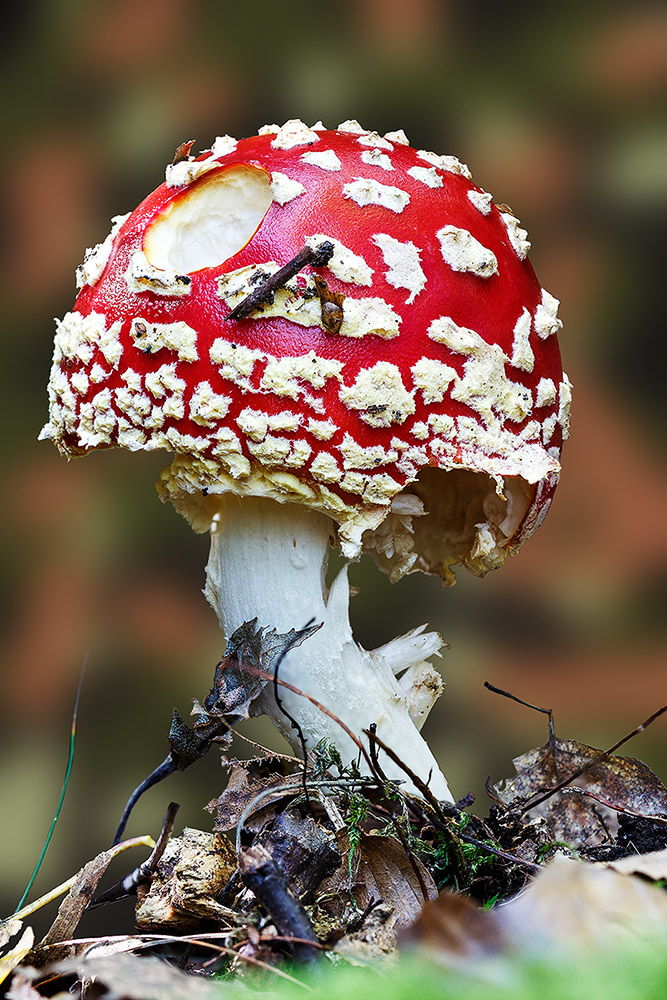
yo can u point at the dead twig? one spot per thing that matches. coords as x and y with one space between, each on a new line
575 790
258 672
505 855
526 704
640 729
441 809
293 722
144 872
265 879
582 770
161 772
459 862
318 257
136 942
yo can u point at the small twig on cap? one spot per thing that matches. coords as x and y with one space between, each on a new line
318 257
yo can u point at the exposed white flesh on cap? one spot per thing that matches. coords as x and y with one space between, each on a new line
216 220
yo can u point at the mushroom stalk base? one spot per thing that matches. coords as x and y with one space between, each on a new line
268 561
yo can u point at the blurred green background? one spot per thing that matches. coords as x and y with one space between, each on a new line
559 110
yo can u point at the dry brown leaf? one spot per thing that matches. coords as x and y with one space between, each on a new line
127 977
246 782
383 872
71 910
386 872
571 909
453 928
652 866
617 783
577 908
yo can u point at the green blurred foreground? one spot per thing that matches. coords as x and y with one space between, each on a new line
640 974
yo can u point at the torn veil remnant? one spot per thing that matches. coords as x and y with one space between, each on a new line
401 394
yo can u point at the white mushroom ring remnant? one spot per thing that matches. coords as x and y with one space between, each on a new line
402 394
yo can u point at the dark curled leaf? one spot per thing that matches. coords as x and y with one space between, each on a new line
235 686
302 850
245 783
238 681
185 745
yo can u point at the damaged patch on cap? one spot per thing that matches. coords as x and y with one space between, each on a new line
366 191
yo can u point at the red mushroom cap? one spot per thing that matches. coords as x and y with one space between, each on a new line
440 392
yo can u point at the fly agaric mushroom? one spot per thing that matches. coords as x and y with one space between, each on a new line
398 388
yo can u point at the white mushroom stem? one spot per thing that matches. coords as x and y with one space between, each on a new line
268 560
